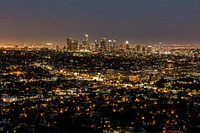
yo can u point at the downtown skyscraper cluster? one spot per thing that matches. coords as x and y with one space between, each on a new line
103 45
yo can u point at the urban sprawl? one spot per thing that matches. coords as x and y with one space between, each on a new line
103 86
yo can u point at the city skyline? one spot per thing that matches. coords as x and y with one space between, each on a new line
169 21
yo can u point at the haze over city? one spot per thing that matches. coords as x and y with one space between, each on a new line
170 21
99 66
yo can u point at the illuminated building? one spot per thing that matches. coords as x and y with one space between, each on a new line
113 47
72 45
127 45
143 49
109 45
121 46
103 45
137 47
96 45
86 44
92 47
149 49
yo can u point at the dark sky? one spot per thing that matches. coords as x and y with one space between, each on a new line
133 20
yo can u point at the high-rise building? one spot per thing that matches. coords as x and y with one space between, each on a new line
96 45
114 46
109 45
86 44
103 44
92 47
138 48
127 45
72 44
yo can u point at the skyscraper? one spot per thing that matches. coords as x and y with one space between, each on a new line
72 44
96 45
103 45
109 45
86 44
127 45
113 48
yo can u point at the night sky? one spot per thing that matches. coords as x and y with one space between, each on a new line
171 21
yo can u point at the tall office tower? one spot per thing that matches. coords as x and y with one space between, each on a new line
103 45
86 44
72 44
96 45
109 45
127 46
113 48
92 47
161 48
